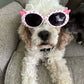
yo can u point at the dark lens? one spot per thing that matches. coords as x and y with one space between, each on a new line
57 19
33 19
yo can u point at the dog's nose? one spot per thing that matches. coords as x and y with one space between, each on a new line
44 35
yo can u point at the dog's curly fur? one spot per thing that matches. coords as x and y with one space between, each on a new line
55 63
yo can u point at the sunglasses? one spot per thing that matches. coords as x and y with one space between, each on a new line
32 19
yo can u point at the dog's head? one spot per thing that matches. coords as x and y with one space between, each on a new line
44 35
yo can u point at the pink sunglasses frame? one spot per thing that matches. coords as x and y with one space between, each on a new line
24 13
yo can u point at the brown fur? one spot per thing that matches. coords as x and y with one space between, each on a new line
64 39
25 35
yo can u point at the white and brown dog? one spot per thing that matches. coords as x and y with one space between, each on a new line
45 40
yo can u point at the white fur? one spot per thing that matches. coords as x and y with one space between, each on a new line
56 64
29 70
58 68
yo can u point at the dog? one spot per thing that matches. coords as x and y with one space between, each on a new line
44 42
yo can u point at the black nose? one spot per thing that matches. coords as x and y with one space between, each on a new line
44 35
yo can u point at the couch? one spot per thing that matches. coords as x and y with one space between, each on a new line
11 49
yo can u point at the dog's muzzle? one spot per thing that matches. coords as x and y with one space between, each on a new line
45 45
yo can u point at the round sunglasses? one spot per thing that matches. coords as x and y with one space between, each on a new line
32 19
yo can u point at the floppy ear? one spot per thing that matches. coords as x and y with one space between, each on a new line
25 35
64 39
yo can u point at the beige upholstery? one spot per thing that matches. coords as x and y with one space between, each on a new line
74 50
22 2
1 77
9 22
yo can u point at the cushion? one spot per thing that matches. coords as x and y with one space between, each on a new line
22 2
76 66
13 73
9 22
74 49
1 77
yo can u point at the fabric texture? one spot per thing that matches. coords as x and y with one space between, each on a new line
22 2
9 22
1 77
74 50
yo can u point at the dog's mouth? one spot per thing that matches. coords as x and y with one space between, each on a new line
45 46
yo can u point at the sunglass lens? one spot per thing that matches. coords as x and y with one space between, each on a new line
57 19
33 20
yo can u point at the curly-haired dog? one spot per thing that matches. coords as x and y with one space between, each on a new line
46 43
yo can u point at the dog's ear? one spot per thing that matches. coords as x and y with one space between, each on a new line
25 35
64 39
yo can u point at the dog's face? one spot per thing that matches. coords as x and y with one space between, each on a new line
45 35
